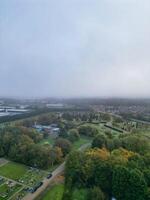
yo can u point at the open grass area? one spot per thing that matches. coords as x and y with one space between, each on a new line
55 193
48 140
99 126
82 141
13 170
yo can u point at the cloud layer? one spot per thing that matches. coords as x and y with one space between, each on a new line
73 48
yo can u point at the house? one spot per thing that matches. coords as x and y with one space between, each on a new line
39 128
54 125
51 129
55 130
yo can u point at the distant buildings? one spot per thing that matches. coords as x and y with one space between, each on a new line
50 129
55 105
11 111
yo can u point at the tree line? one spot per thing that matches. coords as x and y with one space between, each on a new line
22 145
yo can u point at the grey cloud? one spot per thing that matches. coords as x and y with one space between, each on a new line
74 48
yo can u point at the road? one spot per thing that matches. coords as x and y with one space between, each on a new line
47 182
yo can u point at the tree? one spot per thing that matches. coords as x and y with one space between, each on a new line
125 154
19 151
136 162
109 134
19 144
148 194
88 130
73 168
39 156
56 155
45 119
64 144
137 144
116 143
103 176
128 184
147 176
99 141
102 154
117 119
27 123
105 116
74 135
146 159
96 194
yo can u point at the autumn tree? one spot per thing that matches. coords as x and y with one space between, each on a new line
73 135
64 144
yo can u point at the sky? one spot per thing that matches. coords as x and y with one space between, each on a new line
75 48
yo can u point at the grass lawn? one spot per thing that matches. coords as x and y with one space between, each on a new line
99 126
48 140
55 193
13 170
82 141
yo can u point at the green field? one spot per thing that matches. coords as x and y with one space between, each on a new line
54 193
48 140
82 141
99 126
13 170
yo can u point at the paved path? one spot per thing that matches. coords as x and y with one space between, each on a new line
3 161
85 146
56 172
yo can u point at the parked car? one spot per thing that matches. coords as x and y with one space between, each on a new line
49 176
32 190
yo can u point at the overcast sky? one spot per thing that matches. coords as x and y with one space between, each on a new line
75 48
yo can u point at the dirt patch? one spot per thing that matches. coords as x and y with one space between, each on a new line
58 179
3 161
